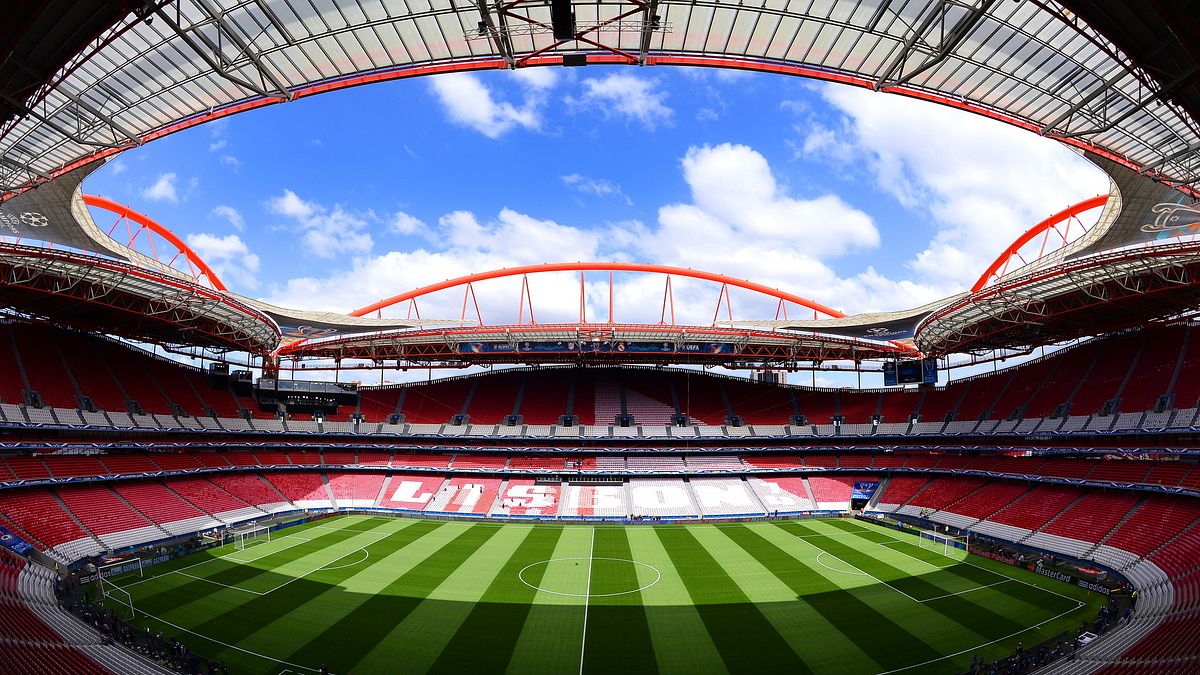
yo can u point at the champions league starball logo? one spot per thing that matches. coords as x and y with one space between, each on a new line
34 219
18 225
307 332
1174 220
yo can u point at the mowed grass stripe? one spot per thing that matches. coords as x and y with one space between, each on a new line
682 644
552 636
833 614
618 637
173 602
361 630
485 640
746 640
285 634
1028 599
776 601
958 608
246 620
423 635
919 578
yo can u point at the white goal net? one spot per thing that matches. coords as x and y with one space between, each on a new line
246 538
132 567
110 591
946 544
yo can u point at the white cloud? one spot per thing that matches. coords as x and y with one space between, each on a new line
217 135
537 78
764 234
407 225
163 189
626 95
230 214
981 181
465 244
599 187
470 103
229 257
323 232
118 167
231 161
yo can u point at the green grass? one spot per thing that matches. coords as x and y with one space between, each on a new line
386 595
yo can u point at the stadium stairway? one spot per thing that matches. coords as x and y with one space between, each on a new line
100 545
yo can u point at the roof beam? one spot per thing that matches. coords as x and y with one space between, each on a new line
1107 85
95 112
1194 147
53 124
234 36
217 67
649 25
950 41
1154 95
500 38
8 161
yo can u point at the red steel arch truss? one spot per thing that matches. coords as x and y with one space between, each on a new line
1054 232
1108 292
141 233
467 283
591 340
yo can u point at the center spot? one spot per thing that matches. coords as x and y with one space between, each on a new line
589 577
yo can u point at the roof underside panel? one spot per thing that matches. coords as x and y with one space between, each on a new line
1027 62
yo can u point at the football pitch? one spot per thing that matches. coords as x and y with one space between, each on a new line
366 595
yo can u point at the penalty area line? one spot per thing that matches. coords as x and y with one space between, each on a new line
985 644
967 562
860 570
225 644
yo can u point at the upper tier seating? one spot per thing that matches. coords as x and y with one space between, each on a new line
158 503
304 489
833 492
62 367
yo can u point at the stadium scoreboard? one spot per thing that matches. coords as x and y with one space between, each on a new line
910 371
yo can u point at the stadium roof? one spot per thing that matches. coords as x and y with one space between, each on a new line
171 65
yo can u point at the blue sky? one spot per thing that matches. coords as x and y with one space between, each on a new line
859 200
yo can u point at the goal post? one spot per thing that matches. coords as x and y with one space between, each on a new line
110 591
119 596
945 543
251 536
132 566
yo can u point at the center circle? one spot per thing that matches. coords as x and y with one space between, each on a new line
590 571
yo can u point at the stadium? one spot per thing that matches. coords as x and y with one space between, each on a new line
194 479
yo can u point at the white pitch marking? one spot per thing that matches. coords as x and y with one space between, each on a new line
294 579
227 556
940 567
985 644
586 598
969 590
296 541
861 571
521 576
858 573
236 588
366 556
999 574
226 644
